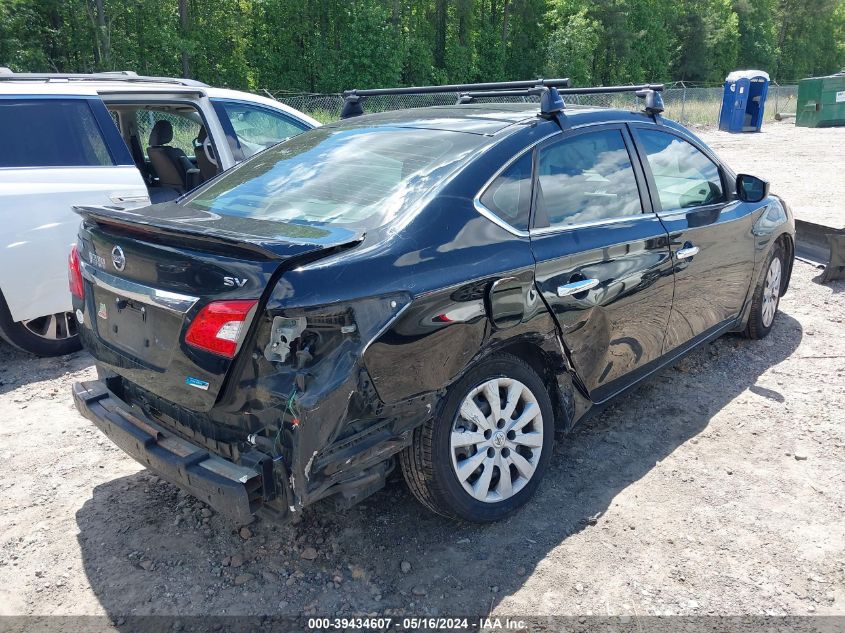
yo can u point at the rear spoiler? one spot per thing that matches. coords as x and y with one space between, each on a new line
214 237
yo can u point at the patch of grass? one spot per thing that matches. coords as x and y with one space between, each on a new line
324 116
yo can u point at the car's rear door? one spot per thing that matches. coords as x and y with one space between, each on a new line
602 256
58 148
710 233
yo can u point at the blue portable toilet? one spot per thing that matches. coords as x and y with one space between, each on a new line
743 101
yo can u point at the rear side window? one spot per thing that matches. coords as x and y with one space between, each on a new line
586 179
509 196
50 133
684 176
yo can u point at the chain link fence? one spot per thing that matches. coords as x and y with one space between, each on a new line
698 105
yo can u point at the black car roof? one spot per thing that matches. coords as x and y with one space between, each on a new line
486 119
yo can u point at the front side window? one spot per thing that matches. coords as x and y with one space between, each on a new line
684 176
50 133
350 177
509 196
586 178
250 129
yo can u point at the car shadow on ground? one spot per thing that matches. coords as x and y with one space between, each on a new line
18 368
149 549
835 285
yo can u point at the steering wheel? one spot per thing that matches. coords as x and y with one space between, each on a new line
206 146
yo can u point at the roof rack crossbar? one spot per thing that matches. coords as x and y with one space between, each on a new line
546 88
589 90
496 85
470 97
550 91
119 75
528 92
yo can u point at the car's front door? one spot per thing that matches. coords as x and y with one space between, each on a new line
710 234
602 256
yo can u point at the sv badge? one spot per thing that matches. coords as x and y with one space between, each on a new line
234 282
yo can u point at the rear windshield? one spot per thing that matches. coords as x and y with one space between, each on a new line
356 178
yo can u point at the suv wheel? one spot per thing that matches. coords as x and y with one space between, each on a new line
485 454
51 335
764 305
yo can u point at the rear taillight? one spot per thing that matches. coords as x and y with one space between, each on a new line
74 272
218 326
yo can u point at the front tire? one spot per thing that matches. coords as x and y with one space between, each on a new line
51 335
484 454
764 304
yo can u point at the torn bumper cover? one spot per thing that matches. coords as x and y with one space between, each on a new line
231 489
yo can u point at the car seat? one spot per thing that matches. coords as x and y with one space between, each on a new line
170 163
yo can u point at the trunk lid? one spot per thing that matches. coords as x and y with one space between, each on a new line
148 275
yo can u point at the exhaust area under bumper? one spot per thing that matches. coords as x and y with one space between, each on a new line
233 490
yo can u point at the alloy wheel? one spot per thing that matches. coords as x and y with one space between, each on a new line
771 292
53 327
496 439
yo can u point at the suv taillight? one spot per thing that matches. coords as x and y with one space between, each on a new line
74 272
217 328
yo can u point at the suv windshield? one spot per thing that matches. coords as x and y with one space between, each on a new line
353 177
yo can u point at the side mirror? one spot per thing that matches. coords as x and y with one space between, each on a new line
751 188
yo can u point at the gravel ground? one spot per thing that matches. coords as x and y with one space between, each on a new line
715 488
804 165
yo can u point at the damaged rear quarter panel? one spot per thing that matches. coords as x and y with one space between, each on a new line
315 409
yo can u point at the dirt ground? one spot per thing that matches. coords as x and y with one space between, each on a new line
804 165
717 487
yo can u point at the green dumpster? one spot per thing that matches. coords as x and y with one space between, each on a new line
821 101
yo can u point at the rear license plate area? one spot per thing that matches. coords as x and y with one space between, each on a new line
143 332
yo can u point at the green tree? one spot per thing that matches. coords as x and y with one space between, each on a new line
807 38
707 34
572 45
490 53
525 54
649 56
757 33
327 45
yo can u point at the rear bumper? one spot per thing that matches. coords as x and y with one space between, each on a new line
229 488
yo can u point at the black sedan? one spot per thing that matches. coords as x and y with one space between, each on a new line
443 288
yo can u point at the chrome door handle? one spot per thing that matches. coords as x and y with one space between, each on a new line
686 253
576 286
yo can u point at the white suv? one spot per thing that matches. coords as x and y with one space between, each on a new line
104 139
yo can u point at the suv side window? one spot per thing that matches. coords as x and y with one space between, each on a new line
250 129
586 178
51 133
186 126
509 196
684 176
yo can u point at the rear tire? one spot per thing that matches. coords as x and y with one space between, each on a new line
484 454
52 335
764 304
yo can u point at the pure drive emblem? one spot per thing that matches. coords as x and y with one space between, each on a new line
118 258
